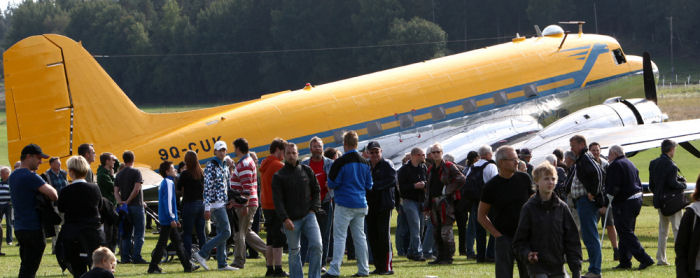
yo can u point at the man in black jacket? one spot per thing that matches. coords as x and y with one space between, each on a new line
622 182
380 200
297 198
584 184
412 179
663 178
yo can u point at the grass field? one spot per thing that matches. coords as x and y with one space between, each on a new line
646 231
679 103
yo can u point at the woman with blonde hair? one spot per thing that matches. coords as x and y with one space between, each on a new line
80 202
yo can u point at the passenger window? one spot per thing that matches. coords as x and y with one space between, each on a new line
406 121
374 129
619 56
338 136
469 106
438 113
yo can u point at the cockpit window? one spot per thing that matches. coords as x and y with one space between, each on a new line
619 56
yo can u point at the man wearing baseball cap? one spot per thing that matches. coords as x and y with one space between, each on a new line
25 186
380 200
216 184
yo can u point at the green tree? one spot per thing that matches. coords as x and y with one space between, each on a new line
35 18
423 40
104 27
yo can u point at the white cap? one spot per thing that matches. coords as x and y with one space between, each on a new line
220 145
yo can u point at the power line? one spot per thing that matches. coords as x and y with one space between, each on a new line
221 53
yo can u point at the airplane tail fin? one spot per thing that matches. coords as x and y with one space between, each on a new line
58 96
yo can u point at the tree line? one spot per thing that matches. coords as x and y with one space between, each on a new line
216 51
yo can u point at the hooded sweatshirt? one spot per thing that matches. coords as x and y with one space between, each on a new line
268 168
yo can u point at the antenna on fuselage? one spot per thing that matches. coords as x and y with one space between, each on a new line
538 31
580 25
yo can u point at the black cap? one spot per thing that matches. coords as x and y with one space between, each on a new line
33 149
373 145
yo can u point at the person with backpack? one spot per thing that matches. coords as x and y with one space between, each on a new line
666 181
476 176
443 184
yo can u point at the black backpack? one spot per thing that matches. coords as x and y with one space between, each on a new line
475 182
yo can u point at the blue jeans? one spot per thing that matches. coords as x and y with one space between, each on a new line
133 242
355 219
588 214
428 239
6 212
403 239
325 222
414 218
223 232
192 218
308 227
470 236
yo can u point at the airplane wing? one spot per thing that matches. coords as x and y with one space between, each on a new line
632 138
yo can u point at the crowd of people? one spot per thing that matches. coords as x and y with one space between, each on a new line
332 204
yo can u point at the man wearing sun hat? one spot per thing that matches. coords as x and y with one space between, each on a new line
28 230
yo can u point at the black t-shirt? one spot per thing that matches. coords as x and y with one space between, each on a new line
97 272
435 188
192 189
507 197
125 180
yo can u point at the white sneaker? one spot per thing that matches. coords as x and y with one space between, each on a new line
200 260
662 263
228 267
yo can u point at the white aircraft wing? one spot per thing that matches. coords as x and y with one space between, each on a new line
632 138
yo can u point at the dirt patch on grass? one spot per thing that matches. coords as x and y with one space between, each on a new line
680 104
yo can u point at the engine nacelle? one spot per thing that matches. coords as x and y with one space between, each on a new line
613 112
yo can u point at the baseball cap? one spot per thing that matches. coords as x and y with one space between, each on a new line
33 149
220 145
525 152
373 145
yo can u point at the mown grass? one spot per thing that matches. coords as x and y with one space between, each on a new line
679 103
646 231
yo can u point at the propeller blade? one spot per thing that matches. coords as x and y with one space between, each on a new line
690 148
649 82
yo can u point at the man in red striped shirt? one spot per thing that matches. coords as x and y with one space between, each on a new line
244 181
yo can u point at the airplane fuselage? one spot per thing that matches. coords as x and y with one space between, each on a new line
519 86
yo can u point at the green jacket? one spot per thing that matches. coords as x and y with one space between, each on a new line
105 180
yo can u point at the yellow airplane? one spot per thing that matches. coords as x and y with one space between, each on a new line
59 97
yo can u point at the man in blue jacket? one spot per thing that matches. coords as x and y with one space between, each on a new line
622 182
350 178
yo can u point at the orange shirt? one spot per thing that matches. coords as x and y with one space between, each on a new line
268 168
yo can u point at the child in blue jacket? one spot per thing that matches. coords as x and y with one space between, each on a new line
167 215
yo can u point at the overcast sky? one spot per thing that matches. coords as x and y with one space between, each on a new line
3 3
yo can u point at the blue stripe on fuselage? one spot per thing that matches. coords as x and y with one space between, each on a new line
578 76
